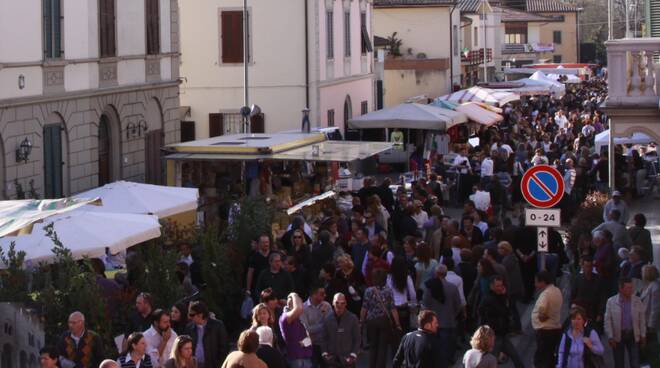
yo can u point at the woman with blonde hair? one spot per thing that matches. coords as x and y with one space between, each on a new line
350 282
482 343
182 354
261 316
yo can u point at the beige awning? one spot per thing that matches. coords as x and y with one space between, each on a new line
328 151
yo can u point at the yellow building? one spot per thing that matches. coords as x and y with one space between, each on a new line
561 30
428 59
539 31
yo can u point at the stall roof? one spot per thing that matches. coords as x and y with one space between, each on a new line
248 144
409 115
339 151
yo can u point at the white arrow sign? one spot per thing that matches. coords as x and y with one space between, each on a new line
542 236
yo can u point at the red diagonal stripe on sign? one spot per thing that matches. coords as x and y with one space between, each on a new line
542 186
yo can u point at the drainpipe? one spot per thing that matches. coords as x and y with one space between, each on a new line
306 55
451 49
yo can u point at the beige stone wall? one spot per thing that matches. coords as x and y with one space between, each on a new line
568 48
80 116
401 85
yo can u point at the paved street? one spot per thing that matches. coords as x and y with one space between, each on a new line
525 343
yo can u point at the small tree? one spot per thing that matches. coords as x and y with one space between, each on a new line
13 279
394 45
66 287
225 257
158 275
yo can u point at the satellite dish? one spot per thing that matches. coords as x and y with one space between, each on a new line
255 110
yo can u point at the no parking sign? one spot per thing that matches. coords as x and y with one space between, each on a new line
542 186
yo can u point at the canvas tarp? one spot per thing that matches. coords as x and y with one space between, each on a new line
480 94
409 116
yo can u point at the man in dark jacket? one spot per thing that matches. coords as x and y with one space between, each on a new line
587 290
421 348
341 335
210 340
495 312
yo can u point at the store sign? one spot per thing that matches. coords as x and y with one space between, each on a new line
543 47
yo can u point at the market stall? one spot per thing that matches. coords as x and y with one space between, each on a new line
602 139
409 116
17 217
478 114
419 122
86 234
479 94
179 204
288 168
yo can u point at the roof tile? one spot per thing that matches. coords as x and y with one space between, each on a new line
550 6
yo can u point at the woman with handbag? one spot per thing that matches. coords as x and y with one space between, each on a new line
580 346
381 318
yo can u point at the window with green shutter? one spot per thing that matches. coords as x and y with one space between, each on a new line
52 27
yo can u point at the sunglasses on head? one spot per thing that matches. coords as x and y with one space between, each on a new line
191 315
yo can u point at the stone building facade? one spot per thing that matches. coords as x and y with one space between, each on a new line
97 107
21 336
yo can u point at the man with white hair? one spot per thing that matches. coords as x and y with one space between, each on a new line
108 363
79 347
266 352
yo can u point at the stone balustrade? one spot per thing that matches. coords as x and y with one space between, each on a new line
633 74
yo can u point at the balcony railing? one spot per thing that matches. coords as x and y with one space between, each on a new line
632 72
475 57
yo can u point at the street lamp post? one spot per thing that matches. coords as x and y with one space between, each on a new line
246 124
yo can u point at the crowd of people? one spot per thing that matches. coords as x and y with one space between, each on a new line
395 276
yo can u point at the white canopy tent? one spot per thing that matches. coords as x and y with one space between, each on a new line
554 88
478 114
139 198
17 216
409 116
86 234
542 77
480 94
602 139
570 78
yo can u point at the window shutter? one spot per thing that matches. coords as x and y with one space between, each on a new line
556 37
107 28
187 131
366 40
347 34
48 27
329 19
57 28
148 29
216 127
153 27
232 36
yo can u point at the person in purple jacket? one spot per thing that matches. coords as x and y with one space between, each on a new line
298 342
